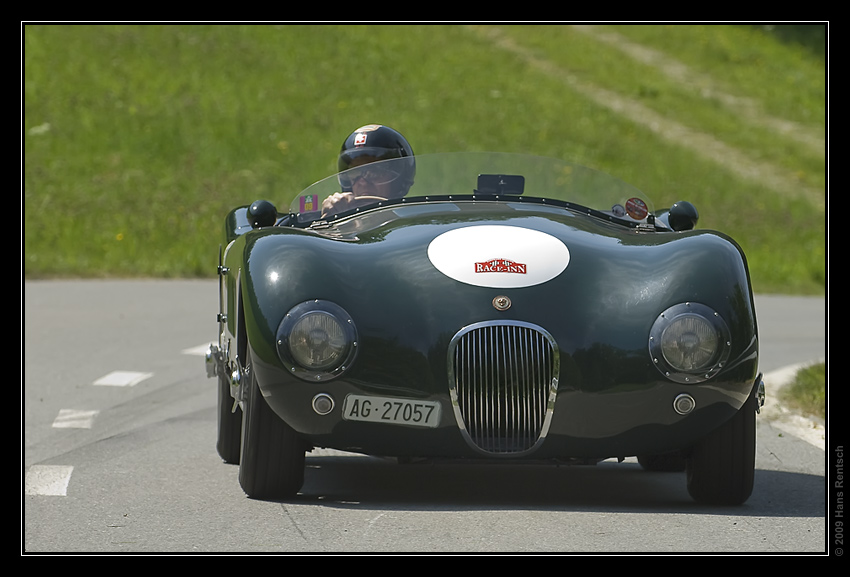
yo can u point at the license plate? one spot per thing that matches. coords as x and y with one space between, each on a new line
391 410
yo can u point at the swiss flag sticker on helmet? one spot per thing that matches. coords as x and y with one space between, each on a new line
360 133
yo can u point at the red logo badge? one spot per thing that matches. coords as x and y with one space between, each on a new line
501 265
636 208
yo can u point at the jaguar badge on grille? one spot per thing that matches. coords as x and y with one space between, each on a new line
501 303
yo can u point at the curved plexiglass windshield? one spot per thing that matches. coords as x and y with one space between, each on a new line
468 175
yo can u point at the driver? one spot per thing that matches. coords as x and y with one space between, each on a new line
368 144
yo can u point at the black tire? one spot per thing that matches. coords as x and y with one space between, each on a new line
721 467
229 440
665 463
271 464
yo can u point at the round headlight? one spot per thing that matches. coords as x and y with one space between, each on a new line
689 343
317 340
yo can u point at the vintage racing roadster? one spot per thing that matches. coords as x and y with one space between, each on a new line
508 307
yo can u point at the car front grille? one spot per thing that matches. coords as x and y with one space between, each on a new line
503 378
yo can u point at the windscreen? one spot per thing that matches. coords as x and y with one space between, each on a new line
470 175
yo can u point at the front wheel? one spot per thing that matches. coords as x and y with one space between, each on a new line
271 464
721 467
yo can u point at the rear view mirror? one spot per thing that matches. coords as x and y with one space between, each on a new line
500 184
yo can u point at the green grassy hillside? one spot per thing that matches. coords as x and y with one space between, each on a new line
138 139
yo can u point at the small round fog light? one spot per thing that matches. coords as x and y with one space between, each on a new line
684 404
323 404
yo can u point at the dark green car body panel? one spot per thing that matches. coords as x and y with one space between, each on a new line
611 400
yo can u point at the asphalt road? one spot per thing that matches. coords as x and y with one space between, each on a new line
118 455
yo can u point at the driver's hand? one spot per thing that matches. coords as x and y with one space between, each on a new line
337 202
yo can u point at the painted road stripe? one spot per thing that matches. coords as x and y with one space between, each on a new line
74 419
123 378
48 480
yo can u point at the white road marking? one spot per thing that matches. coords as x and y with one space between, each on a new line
48 480
123 378
74 419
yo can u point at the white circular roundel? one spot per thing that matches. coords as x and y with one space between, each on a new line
498 256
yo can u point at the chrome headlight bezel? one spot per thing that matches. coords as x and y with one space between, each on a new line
321 329
670 328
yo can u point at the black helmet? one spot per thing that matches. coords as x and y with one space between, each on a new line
375 142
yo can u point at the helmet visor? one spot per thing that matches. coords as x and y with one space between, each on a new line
373 175
365 155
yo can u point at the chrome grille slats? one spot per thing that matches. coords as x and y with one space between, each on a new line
503 377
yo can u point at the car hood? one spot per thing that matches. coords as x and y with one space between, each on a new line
421 271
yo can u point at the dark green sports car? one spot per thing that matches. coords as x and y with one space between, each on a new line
500 307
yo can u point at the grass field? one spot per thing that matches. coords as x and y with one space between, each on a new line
806 394
137 139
